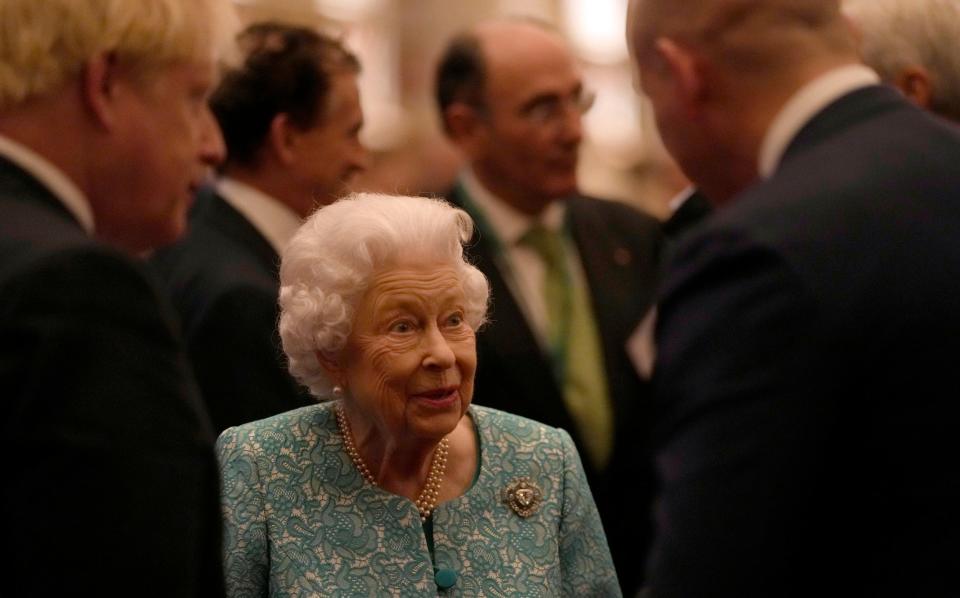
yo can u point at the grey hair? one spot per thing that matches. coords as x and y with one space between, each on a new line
327 266
901 33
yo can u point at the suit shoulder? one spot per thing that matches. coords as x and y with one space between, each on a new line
81 263
898 178
894 158
29 229
203 246
208 262
88 288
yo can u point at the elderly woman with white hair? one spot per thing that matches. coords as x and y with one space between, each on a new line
399 486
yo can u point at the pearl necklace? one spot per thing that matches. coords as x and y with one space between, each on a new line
427 500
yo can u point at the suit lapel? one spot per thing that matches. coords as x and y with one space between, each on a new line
619 294
603 260
606 264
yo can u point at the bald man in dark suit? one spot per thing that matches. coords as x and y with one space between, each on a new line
808 331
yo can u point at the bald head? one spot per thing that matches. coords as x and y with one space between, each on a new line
513 49
464 69
717 73
752 36
500 38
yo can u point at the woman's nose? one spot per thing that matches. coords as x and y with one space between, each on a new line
438 353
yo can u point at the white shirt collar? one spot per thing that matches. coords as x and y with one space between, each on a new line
804 105
681 198
507 222
52 178
272 219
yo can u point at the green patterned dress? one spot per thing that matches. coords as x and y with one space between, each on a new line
300 521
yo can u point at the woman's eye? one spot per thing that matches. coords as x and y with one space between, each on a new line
455 319
401 327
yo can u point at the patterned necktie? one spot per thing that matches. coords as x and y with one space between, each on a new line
576 353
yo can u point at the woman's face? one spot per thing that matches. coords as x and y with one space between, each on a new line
409 362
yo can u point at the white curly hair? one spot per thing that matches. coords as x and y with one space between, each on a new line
327 266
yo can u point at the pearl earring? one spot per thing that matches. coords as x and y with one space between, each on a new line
338 391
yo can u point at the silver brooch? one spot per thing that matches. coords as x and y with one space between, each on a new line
523 497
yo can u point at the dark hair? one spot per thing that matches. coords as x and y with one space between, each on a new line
286 70
461 74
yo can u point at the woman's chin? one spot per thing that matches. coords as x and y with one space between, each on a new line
437 416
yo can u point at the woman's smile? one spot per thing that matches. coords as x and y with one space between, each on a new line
444 396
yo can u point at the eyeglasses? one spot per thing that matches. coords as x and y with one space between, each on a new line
552 110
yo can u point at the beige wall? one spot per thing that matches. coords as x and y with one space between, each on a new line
399 42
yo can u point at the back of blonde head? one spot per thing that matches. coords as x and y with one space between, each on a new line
45 43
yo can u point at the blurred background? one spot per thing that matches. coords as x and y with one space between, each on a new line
399 43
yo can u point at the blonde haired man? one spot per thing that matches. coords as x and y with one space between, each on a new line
105 133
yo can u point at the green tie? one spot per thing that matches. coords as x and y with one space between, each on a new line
577 357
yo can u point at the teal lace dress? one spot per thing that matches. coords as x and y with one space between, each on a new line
300 521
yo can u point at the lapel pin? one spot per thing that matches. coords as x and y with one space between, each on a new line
622 256
522 497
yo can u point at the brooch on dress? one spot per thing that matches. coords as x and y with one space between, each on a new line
523 497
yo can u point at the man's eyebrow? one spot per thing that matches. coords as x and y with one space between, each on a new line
550 96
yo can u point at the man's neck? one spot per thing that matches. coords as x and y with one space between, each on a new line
272 182
806 101
529 204
756 139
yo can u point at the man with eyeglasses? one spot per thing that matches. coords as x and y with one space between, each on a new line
570 276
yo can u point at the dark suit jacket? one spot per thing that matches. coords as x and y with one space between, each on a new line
808 345
690 213
685 219
223 280
110 481
619 250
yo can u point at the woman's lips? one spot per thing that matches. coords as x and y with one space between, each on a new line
439 397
